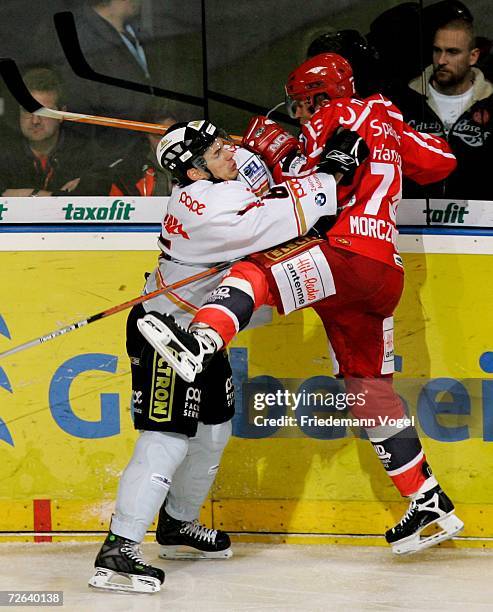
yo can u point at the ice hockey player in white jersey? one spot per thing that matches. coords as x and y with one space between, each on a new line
184 427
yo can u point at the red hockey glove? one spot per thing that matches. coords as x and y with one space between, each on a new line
269 140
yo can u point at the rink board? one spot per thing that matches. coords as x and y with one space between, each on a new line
66 429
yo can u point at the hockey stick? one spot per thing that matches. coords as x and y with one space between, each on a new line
15 84
115 309
13 80
69 40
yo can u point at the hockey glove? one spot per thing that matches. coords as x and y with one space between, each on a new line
344 153
269 140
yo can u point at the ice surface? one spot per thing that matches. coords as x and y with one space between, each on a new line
271 577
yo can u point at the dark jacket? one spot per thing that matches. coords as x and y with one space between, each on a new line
135 174
106 53
470 139
20 168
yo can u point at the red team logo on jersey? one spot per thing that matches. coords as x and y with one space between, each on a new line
172 226
191 204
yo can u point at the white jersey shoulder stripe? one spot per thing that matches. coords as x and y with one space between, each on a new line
395 115
316 152
425 145
364 115
311 131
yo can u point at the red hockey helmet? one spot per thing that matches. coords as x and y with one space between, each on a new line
326 73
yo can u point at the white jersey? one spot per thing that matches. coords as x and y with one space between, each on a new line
208 223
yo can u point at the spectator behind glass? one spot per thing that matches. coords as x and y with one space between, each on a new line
136 173
451 99
110 44
44 157
353 47
396 35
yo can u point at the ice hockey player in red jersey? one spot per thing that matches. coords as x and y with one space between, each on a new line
353 277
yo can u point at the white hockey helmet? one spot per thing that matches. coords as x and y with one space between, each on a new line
183 147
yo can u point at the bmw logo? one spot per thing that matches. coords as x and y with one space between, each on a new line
320 199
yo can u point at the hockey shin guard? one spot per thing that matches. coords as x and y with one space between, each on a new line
195 476
145 482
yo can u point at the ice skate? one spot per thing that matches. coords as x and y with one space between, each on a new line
190 540
186 352
120 567
426 509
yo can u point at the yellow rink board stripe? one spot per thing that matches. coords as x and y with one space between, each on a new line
310 521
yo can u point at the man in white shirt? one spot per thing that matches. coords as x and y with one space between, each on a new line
447 100
451 87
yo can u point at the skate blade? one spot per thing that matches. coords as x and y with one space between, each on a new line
450 524
188 552
109 580
159 338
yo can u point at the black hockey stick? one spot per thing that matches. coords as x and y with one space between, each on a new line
69 40
15 84
115 309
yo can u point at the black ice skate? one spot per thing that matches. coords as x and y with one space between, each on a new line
186 352
430 507
190 540
120 567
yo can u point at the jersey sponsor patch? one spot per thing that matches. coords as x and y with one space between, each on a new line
162 390
295 165
388 346
383 454
193 398
296 188
253 172
284 250
303 279
314 183
193 205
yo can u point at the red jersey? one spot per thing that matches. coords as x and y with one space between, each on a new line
366 221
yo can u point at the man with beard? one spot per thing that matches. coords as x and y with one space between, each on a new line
452 99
